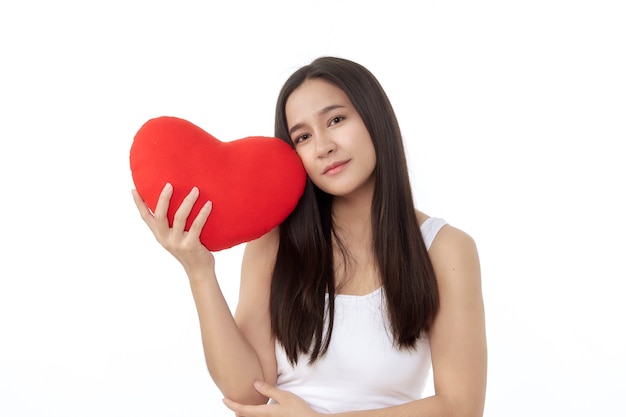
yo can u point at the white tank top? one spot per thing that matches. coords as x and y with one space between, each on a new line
361 369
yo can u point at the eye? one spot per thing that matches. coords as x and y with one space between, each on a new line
301 138
335 120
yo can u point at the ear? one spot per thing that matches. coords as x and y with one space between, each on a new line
254 182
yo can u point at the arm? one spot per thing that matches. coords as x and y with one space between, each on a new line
232 361
457 339
239 349
253 313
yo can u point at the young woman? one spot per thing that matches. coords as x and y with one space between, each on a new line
345 306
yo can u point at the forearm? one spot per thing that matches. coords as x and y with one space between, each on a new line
435 406
231 361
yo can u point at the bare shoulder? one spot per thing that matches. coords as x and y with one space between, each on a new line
256 273
453 248
261 252
256 268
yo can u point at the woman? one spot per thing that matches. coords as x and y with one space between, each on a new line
344 307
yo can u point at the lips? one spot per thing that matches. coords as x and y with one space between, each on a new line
334 165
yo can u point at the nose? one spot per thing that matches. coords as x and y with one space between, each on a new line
324 145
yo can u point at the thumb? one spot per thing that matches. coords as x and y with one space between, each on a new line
268 390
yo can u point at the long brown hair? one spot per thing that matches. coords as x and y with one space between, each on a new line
303 277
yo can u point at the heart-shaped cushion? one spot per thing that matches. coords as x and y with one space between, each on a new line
254 182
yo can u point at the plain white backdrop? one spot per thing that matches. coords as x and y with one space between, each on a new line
514 117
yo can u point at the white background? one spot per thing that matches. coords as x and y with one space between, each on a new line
514 117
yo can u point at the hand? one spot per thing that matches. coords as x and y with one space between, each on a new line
183 245
287 404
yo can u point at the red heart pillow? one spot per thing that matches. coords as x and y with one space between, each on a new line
254 182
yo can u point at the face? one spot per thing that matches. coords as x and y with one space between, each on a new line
331 139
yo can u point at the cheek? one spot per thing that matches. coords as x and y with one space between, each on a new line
373 158
307 162
370 153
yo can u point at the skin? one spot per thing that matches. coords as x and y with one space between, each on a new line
239 349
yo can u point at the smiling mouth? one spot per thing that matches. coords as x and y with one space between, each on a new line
334 167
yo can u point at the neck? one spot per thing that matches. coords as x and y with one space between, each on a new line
352 216
355 265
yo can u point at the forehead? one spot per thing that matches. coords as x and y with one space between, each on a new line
311 97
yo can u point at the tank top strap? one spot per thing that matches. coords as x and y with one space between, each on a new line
430 228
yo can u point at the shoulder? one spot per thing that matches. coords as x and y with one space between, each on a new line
452 248
257 264
453 253
449 243
456 264
262 250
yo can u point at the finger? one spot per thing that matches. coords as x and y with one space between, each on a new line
269 391
232 405
200 220
182 213
144 211
163 203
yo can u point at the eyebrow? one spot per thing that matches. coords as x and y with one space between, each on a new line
325 110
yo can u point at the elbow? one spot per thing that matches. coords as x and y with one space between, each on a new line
466 407
235 390
468 410
243 396
246 398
